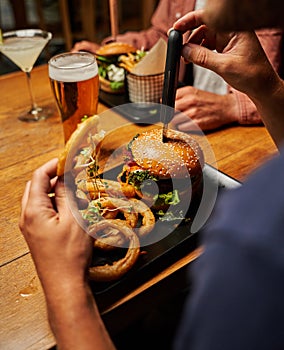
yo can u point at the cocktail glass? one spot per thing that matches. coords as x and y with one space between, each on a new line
23 47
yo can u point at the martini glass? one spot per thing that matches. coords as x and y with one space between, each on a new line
23 47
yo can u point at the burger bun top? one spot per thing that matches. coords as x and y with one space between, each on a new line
181 156
115 48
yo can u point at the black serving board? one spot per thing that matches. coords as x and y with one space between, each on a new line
159 255
135 112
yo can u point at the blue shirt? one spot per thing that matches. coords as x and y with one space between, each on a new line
237 300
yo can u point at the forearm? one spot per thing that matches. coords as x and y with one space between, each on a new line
271 109
75 319
143 39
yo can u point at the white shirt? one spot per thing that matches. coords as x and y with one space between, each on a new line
205 79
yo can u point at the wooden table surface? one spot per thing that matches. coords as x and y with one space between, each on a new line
25 146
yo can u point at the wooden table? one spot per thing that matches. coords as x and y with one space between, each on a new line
24 147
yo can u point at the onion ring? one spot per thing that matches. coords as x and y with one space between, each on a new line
111 239
136 206
120 267
109 208
148 218
97 188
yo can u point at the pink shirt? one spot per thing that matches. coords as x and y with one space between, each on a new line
167 12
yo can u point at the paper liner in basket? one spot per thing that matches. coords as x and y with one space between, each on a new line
154 62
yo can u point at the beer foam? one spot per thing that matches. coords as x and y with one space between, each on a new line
70 68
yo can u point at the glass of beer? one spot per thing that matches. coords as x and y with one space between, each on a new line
75 84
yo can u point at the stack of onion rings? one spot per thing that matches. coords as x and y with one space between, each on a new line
110 232
117 232
115 271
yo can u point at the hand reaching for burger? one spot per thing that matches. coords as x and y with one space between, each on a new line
85 46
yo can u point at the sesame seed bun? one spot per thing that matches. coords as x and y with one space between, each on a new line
115 48
181 156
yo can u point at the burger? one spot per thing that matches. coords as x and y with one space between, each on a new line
113 59
163 173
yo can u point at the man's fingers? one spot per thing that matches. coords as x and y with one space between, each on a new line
61 198
26 195
202 56
36 191
190 21
41 180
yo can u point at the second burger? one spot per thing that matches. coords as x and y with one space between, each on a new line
113 59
